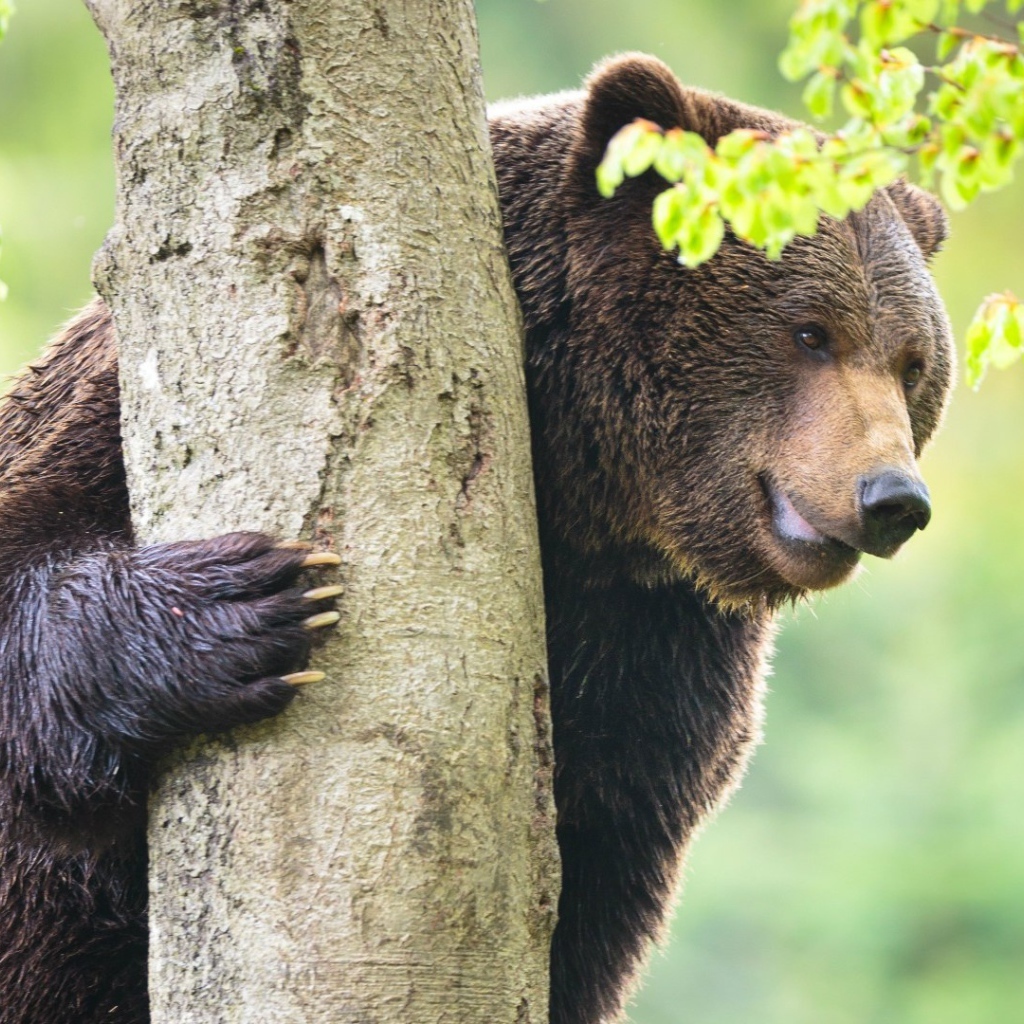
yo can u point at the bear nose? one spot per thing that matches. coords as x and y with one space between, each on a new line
893 505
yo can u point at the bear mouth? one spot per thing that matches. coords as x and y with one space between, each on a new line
802 553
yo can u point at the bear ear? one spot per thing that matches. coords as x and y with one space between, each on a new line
618 91
922 213
632 85
623 88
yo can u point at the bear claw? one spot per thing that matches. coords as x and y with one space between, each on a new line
321 620
301 678
321 558
322 593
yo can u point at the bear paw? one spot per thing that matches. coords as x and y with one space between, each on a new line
216 633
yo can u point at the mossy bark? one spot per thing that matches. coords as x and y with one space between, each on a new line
319 339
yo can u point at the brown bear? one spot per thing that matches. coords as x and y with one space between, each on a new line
708 444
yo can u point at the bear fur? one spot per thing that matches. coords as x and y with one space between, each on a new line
708 444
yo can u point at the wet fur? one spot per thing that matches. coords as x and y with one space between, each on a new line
651 389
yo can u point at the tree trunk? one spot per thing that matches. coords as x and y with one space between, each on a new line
319 339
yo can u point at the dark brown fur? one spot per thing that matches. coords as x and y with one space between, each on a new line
665 405
108 653
670 409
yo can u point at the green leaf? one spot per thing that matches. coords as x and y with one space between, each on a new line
909 133
899 80
998 154
945 102
926 157
1018 317
795 61
800 143
961 175
738 143
667 215
1011 330
642 153
875 20
702 238
923 11
819 94
874 169
742 214
804 214
948 12
816 36
953 194
1004 337
976 343
609 177
631 151
885 22
829 197
670 162
681 150
995 336
946 44
856 98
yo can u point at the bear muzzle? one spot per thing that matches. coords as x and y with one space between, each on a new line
808 554
814 550
893 505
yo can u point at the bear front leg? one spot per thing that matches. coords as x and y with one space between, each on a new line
107 656
655 705
618 879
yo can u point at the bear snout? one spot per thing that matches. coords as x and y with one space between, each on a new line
893 505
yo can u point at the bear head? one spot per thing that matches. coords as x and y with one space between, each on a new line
752 425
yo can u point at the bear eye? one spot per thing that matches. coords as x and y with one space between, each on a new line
810 336
912 374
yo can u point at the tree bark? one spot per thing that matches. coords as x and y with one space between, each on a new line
319 339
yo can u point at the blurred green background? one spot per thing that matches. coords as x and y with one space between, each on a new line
871 870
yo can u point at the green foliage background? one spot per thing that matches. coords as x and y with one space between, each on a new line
870 871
